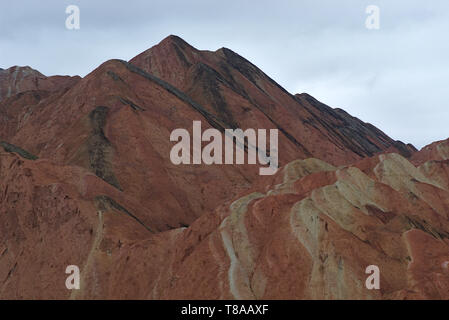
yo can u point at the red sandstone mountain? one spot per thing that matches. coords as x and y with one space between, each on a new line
20 79
241 95
91 184
116 123
435 151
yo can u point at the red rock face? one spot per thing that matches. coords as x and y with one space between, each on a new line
20 79
436 151
236 91
86 180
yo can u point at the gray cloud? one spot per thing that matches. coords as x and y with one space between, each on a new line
395 77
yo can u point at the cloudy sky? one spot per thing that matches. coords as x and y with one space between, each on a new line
396 77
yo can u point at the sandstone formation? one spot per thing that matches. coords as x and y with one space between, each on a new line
436 151
116 122
86 180
234 90
20 79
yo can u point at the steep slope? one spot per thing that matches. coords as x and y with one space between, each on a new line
116 122
21 89
237 91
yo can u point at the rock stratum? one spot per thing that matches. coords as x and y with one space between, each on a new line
86 180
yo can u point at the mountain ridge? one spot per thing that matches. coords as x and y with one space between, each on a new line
86 179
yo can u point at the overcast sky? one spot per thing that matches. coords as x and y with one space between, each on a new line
396 78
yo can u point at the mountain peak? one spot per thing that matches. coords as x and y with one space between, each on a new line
171 43
17 79
174 39
168 59
26 70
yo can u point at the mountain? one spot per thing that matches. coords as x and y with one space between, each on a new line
116 123
436 151
310 234
236 91
20 79
86 179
